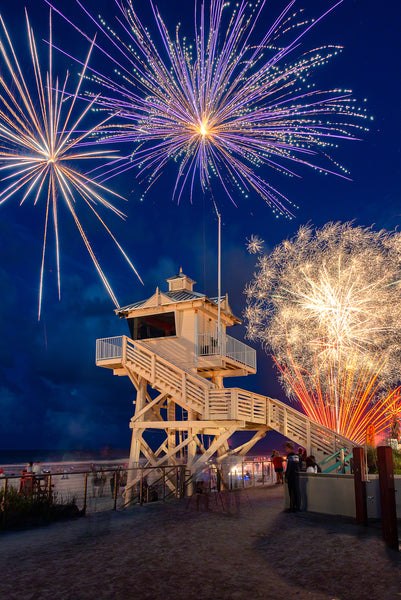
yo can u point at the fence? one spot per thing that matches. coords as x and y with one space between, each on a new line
102 490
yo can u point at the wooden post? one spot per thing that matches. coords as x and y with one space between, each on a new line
4 503
361 509
5 489
285 422
49 488
171 433
218 478
269 411
308 439
136 439
141 488
387 497
207 405
191 452
116 476
196 337
85 494
181 492
234 405
176 474
342 456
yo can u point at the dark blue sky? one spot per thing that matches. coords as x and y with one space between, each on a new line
51 393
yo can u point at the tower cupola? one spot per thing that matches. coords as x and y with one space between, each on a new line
180 282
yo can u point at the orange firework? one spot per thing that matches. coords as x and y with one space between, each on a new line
350 405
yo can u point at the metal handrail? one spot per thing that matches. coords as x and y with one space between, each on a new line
208 345
240 352
341 460
108 348
332 456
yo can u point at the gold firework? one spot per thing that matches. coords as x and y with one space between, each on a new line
41 141
326 303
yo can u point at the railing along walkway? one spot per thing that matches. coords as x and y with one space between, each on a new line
84 492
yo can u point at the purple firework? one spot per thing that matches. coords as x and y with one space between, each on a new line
222 104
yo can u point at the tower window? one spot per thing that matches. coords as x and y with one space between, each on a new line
152 326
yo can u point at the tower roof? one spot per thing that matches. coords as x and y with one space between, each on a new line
180 292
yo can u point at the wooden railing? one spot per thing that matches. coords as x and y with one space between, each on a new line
218 404
165 375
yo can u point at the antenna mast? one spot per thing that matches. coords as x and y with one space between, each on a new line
218 282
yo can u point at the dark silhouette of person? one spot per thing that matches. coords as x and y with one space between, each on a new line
292 477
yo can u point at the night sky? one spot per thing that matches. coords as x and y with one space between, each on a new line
52 396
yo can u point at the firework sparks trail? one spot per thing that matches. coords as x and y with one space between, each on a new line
255 244
40 140
362 405
327 305
222 105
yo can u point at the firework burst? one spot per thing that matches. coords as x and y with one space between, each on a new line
41 140
224 104
255 244
327 305
362 408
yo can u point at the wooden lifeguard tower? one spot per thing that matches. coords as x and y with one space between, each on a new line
178 345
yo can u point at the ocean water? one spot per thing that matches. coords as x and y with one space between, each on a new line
11 460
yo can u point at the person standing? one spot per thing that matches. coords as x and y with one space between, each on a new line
37 469
302 459
277 461
202 488
312 466
292 477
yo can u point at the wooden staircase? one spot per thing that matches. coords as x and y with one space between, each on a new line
210 403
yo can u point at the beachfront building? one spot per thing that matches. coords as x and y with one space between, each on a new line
177 355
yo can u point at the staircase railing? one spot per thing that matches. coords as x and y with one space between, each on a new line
213 403
339 461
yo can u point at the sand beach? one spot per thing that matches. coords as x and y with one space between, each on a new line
171 551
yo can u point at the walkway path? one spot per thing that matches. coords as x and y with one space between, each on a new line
171 552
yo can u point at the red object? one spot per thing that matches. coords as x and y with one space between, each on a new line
277 462
387 497
361 510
